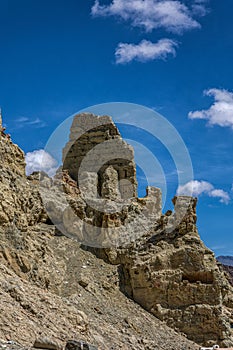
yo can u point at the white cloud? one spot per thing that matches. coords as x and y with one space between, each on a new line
224 196
172 15
23 122
39 160
36 121
196 188
220 112
145 51
199 8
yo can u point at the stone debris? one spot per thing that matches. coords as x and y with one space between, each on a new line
46 343
10 345
215 347
79 345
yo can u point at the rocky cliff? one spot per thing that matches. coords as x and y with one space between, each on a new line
121 288
21 202
176 278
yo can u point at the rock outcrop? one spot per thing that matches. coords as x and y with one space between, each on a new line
21 202
52 287
175 277
106 212
229 273
167 269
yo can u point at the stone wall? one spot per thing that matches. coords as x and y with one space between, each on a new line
96 142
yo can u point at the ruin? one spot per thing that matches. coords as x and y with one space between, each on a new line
161 262
165 268
113 155
103 166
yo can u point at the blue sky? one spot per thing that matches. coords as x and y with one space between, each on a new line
59 57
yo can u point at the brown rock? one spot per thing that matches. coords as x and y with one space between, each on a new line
162 263
46 343
79 345
21 202
176 278
90 132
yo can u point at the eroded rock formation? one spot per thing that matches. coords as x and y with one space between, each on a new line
21 202
50 288
176 278
168 270
52 285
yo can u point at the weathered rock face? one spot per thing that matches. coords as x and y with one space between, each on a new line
51 285
229 272
11 157
175 277
67 293
51 289
167 269
20 200
99 222
106 212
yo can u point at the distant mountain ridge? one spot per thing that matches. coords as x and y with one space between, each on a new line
225 260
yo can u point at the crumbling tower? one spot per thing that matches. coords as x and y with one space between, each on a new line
96 142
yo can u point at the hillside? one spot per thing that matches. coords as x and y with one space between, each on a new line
125 297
